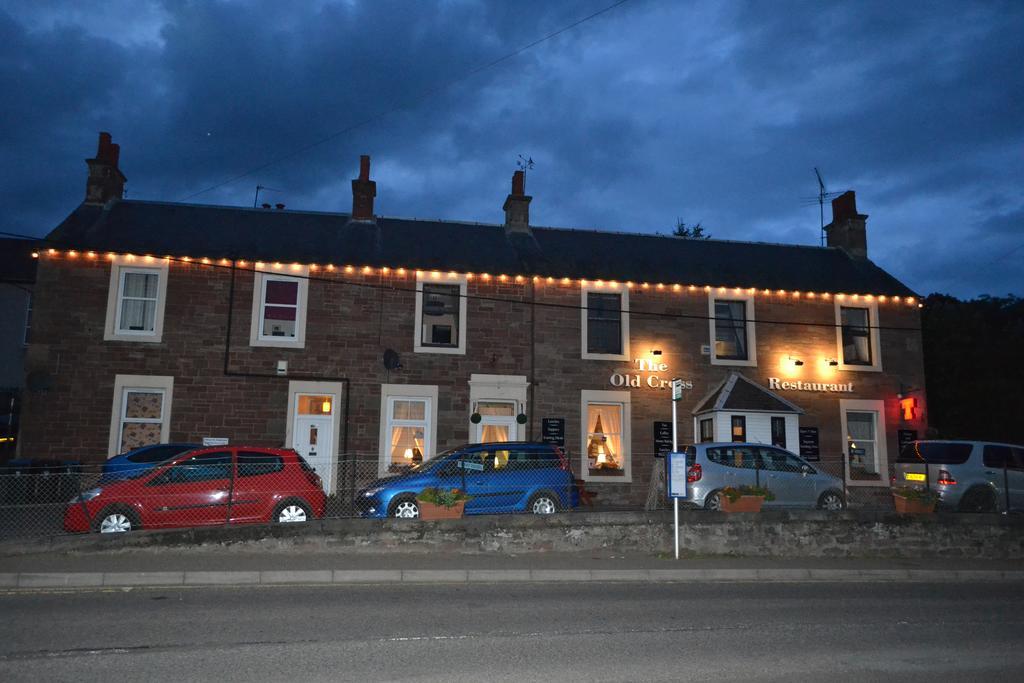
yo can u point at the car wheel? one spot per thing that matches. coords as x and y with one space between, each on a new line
543 504
292 512
713 501
978 500
832 501
405 508
117 520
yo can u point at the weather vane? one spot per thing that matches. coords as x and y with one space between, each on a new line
524 163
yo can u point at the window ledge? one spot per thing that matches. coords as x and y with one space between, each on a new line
446 350
605 356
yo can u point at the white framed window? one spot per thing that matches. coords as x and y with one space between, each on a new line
279 306
440 313
498 399
731 323
136 300
605 448
866 462
857 335
407 426
604 321
141 412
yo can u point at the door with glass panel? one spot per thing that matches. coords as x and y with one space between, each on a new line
862 458
313 434
497 422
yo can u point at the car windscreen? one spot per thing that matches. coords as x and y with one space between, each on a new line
935 453
158 454
427 464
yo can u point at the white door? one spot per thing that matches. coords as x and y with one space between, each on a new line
497 422
313 434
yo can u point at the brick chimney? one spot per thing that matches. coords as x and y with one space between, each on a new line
105 180
848 229
517 206
363 192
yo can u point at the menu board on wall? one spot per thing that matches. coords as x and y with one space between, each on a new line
662 439
552 430
809 447
905 436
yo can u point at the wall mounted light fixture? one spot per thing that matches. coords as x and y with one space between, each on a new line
655 352
832 362
796 361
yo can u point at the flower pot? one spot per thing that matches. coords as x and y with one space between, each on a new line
743 504
429 511
905 506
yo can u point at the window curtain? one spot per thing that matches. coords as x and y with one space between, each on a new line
856 336
138 305
604 426
861 444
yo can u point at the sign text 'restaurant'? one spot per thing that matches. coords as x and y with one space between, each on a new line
800 385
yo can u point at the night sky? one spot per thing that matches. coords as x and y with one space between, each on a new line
712 112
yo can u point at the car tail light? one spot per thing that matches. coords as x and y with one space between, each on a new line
946 479
694 472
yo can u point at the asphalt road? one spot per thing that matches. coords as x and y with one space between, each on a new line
568 632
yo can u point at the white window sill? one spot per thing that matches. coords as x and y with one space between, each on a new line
746 363
279 344
448 350
605 356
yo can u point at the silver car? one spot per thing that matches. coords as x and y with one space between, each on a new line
969 476
712 467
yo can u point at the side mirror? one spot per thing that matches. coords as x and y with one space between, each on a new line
806 469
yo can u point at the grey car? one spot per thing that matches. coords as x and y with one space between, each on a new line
712 467
969 476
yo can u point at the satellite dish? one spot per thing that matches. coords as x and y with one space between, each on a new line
391 360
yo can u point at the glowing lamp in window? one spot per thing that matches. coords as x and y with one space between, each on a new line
325 407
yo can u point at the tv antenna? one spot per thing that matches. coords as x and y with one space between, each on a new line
823 194
256 199
524 163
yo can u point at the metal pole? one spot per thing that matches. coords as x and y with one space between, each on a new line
675 449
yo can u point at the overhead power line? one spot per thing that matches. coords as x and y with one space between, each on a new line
399 104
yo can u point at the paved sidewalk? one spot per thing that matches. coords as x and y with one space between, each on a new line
225 567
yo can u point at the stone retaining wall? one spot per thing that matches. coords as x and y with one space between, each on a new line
768 534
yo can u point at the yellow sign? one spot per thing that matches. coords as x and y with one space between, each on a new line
913 476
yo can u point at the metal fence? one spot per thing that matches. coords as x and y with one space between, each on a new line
45 499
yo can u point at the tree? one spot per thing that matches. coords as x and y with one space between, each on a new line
972 365
690 232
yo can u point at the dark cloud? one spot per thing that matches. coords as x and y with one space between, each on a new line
708 111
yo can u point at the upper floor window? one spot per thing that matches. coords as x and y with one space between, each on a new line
732 330
135 301
605 323
279 310
857 333
441 314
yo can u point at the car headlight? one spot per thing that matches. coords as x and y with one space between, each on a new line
90 494
372 492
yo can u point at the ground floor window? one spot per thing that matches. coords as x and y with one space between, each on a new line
140 413
864 428
778 431
495 404
408 419
605 431
707 430
739 428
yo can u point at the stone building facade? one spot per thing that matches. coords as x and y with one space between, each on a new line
353 336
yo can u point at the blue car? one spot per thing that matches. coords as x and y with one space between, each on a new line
140 461
499 477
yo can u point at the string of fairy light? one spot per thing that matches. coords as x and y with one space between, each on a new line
329 271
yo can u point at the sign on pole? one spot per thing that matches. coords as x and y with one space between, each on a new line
677 389
676 475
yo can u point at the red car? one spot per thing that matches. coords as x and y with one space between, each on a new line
204 487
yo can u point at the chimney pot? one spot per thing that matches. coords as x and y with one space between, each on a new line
363 192
105 181
848 229
265 205
279 207
517 206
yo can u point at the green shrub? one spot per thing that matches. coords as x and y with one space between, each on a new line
448 498
733 494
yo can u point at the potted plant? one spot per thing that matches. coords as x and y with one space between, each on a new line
913 501
745 498
437 503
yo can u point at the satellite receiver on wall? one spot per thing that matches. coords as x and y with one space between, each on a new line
391 360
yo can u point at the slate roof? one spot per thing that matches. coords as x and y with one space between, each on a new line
738 393
162 228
